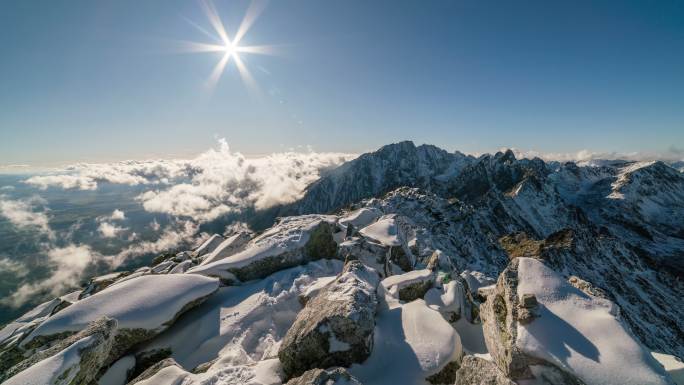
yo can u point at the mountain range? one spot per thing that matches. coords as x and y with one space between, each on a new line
409 264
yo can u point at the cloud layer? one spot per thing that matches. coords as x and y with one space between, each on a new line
22 213
215 183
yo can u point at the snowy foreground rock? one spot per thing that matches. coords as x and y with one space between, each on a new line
427 268
537 325
335 328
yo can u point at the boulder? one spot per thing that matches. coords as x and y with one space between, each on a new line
537 325
292 241
227 247
336 326
336 376
143 307
409 286
77 359
478 371
97 284
209 245
154 369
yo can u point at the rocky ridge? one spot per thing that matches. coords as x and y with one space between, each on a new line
426 267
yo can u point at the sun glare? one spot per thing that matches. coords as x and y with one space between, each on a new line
230 48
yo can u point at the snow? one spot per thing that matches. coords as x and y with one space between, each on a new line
170 375
385 231
226 248
361 217
394 283
266 372
59 368
449 299
407 279
243 325
673 366
209 245
181 267
146 302
290 234
579 333
117 373
411 341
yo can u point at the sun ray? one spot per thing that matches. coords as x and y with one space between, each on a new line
230 48
255 9
194 47
259 49
218 71
203 30
215 20
247 77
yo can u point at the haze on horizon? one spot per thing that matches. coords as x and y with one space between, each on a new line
96 81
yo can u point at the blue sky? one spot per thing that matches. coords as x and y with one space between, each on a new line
96 81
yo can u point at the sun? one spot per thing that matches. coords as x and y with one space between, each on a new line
231 48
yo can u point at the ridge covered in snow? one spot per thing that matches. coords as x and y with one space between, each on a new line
407 265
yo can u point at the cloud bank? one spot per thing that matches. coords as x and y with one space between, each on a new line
215 183
22 213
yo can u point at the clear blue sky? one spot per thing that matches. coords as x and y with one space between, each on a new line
94 80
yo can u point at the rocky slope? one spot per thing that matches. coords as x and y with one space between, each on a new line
407 265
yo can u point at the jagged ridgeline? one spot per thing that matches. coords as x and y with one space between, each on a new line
408 265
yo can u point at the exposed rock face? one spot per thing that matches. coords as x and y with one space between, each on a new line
336 326
337 376
478 371
501 314
92 347
500 319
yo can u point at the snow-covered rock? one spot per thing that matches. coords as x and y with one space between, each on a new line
74 360
574 338
209 245
409 286
336 376
143 307
478 371
293 241
98 284
227 247
336 326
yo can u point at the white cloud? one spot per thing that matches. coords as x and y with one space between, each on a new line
170 238
117 215
68 264
108 230
21 213
585 156
154 225
15 268
215 183
225 182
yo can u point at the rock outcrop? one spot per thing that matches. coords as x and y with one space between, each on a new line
77 359
478 371
336 326
534 316
336 376
291 242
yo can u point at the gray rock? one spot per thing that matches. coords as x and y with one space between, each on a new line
478 371
336 326
152 370
501 314
97 284
92 358
336 376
